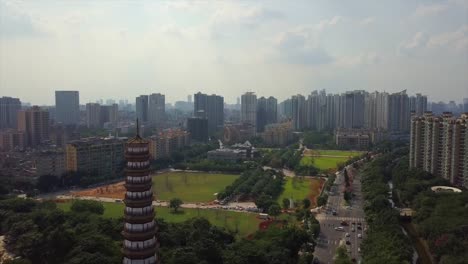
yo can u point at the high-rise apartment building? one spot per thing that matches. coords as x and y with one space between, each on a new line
299 112
67 107
418 104
399 112
198 128
11 139
142 108
34 123
93 115
210 107
156 109
465 105
9 108
439 145
249 108
272 110
285 109
140 243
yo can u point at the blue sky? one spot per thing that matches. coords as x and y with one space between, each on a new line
120 49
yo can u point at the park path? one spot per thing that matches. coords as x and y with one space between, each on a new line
234 206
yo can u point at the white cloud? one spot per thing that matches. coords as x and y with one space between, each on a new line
367 21
430 10
323 24
418 41
457 39
363 59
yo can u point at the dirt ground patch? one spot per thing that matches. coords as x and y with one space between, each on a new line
116 191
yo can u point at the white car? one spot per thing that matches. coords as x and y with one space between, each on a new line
359 235
347 235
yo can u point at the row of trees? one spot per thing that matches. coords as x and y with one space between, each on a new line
440 218
41 233
385 241
260 185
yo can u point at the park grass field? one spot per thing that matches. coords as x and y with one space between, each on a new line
329 160
245 223
298 189
341 153
190 187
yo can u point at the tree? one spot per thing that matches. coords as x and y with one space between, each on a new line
94 207
274 210
47 182
322 200
341 257
306 203
175 204
286 203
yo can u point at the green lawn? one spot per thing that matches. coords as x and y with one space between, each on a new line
246 223
325 163
341 153
298 189
190 187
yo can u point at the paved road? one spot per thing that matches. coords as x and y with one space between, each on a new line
329 239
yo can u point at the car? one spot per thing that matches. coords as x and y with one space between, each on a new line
347 235
353 230
359 223
353 223
339 228
359 235
359 249
348 242
344 223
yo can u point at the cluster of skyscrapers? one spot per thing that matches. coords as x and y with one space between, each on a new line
439 145
354 109
151 109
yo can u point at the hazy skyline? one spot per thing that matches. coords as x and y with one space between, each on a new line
121 49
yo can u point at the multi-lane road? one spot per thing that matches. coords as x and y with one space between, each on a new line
329 238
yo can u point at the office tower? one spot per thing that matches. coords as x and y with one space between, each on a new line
439 145
101 158
34 123
67 107
261 114
9 108
399 113
140 243
465 105
299 110
198 128
272 110
210 107
142 108
249 109
156 109
93 115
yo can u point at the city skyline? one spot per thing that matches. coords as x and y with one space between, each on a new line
179 48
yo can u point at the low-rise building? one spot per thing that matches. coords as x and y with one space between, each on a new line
239 132
11 139
98 157
280 134
167 142
358 138
225 154
50 162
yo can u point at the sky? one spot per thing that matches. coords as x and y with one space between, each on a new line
115 49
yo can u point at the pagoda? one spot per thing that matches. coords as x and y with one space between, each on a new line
139 232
